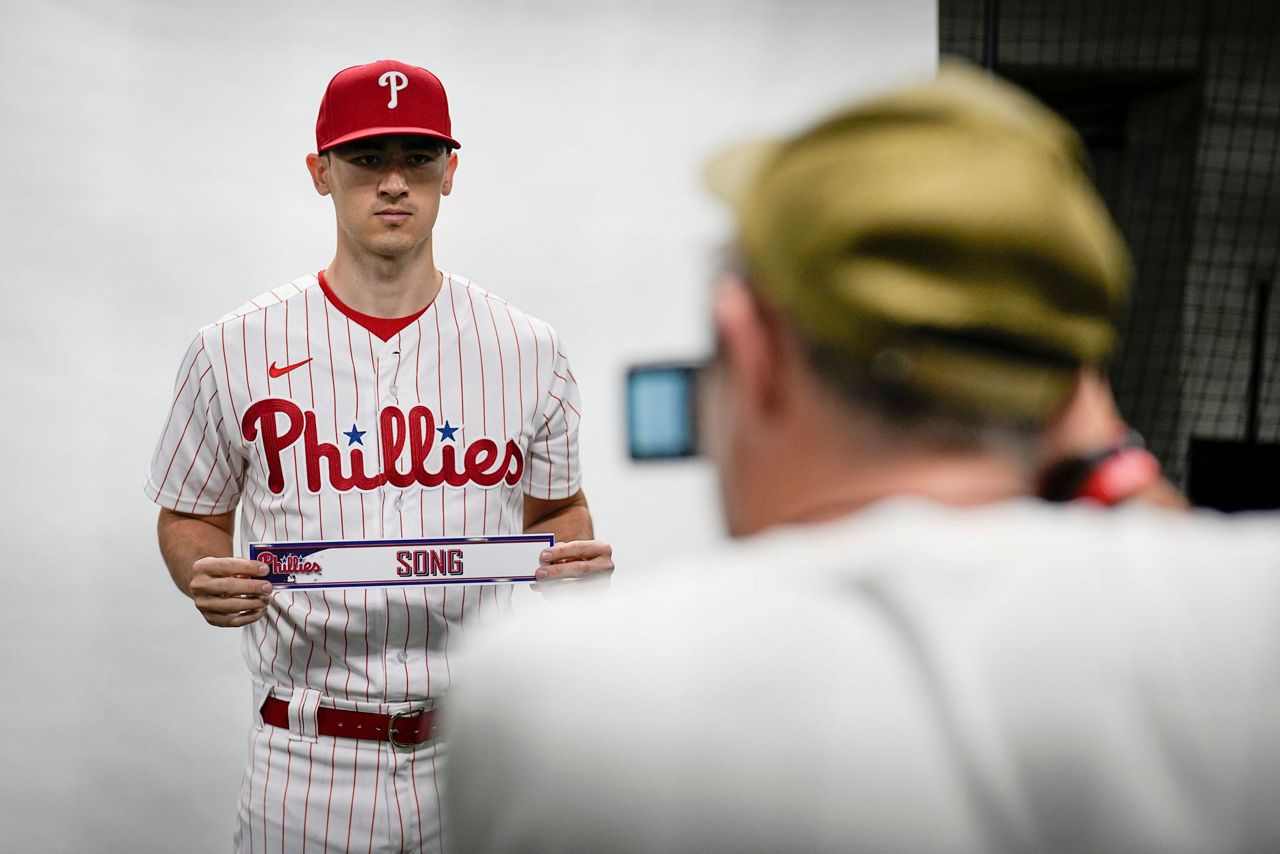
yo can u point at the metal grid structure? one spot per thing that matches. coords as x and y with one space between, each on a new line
1179 103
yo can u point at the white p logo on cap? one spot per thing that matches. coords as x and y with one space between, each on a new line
396 81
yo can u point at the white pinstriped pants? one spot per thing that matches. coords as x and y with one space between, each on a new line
322 793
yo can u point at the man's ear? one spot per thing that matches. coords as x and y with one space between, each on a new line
449 169
753 346
318 166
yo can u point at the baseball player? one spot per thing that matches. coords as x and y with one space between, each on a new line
377 398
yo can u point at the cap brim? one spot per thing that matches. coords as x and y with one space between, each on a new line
387 131
731 173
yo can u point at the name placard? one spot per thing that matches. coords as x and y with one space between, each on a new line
392 563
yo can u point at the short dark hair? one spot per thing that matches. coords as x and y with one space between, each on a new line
904 415
907 414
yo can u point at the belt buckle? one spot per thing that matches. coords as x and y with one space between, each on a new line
391 727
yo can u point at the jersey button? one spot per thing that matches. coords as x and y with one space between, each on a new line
395 389
402 656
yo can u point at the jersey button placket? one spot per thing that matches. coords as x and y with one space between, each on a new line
389 396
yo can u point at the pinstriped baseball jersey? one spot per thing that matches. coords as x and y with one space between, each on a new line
319 429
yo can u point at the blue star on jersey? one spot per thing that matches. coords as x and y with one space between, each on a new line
354 436
446 432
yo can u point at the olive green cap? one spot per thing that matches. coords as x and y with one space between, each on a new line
946 236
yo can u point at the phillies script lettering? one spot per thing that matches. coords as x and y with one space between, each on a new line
289 564
407 442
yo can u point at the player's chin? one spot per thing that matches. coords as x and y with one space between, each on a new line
392 241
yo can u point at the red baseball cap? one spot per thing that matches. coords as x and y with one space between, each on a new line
381 98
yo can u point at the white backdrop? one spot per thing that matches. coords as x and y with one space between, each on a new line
151 160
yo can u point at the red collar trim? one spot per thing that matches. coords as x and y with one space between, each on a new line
385 328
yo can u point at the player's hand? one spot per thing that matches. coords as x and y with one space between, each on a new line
575 559
228 591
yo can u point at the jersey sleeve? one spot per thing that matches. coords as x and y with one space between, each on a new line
194 469
552 471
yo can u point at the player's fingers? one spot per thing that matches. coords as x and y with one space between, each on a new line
232 621
576 550
228 566
574 569
229 604
229 586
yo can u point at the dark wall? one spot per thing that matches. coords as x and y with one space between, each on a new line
1180 105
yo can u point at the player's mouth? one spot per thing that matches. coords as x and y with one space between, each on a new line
393 215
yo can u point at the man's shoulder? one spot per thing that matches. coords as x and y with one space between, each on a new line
975 573
252 313
504 314
263 302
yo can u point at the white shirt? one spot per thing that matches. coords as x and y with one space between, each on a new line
320 430
1019 677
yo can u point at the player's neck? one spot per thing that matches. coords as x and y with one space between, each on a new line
384 287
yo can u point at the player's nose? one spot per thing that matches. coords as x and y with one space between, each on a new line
393 182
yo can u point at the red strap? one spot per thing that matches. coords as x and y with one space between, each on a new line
1121 475
410 729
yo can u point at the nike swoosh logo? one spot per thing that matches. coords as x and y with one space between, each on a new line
276 373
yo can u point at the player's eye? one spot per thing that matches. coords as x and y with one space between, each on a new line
365 160
419 159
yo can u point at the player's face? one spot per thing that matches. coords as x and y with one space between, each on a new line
386 191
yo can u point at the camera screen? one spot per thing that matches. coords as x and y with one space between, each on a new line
660 412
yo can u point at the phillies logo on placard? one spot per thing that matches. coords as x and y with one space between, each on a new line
407 440
289 564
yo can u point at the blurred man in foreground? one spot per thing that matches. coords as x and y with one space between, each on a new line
903 650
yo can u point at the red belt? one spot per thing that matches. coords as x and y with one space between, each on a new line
405 729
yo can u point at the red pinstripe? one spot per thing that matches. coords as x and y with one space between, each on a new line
328 668
311 378
355 382
218 499
502 375
484 409
561 400
395 788
462 392
417 804
435 780
177 446
440 392
408 633
547 438
417 388
328 810
266 785
217 430
182 487
342 516
306 798
284 796
253 767
351 812
292 637
368 683
312 647
186 372
377 434
373 811
346 688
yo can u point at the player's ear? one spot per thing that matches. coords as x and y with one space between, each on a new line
449 168
318 166
752 345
